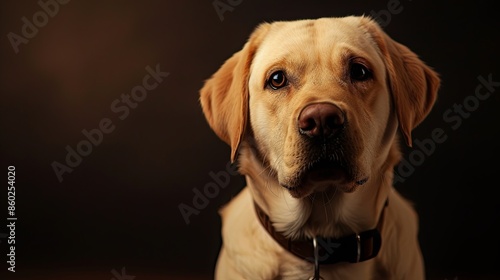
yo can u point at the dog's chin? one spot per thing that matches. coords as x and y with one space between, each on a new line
323 177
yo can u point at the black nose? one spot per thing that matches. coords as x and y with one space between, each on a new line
321 120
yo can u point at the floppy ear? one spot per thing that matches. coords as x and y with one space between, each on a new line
413 84
224 97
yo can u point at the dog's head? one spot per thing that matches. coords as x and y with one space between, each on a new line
319 100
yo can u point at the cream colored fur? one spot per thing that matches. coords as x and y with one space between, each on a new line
260 125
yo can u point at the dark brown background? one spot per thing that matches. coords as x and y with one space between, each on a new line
119 207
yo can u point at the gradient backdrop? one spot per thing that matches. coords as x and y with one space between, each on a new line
116 215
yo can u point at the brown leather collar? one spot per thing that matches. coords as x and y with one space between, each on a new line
353 248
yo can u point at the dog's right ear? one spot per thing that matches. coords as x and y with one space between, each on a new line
224 97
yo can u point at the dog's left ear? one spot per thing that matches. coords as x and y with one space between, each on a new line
224 97
413 84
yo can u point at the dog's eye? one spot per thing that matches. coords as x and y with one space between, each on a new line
359 72
277 80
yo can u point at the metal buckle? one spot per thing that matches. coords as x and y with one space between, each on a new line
316 260
358 241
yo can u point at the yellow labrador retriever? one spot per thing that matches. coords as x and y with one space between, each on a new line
311 110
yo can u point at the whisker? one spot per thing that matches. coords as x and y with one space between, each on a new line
331 198
324 206
268 186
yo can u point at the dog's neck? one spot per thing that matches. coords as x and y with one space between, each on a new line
330 214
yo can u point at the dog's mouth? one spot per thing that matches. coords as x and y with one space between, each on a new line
322 175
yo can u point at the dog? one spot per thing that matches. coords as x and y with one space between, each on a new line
314 112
